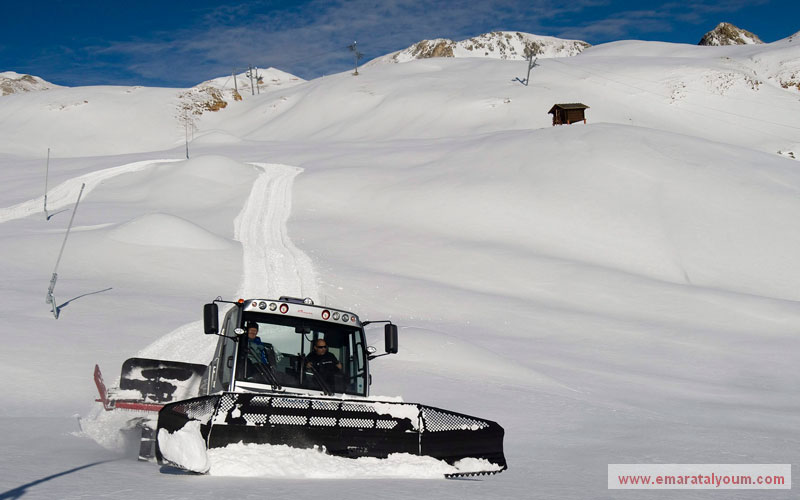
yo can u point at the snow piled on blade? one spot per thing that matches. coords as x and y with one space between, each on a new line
252 460
185 446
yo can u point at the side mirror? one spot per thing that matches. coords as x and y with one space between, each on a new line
390 338
211 318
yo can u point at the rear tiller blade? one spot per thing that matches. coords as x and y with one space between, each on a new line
161 381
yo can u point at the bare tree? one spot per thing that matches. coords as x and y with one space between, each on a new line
531 64
188 118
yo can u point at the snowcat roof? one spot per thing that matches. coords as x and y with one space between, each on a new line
288 306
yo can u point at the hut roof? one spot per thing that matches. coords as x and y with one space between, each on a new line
571 105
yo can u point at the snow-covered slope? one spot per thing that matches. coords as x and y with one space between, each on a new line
496 45
719 93
91 121
728 34
13 83
715 93
776 63
624 291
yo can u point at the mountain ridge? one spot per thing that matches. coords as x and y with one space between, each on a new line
12 82
512 45
728 34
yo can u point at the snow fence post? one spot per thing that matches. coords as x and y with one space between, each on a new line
51 299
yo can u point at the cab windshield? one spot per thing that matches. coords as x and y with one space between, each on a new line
282 353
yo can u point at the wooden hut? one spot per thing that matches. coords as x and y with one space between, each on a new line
568 113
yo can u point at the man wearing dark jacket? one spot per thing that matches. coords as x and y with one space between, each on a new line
324 362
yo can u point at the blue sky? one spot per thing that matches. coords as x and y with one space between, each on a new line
179 43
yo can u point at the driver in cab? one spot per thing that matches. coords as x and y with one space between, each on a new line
324 362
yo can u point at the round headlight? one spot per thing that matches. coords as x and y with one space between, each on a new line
273 306
326 314
336 316
345 318
284 308
262 305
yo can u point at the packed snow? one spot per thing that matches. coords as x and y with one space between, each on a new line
280 461
624 291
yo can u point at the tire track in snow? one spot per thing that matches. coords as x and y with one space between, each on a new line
272 265
66 193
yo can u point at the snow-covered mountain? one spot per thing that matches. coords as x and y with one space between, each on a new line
496 45
266 80
12 83
728 34
624 291
215 94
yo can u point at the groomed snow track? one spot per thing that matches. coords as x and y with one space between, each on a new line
272 265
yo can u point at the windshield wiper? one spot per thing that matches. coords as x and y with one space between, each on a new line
325 389
267 371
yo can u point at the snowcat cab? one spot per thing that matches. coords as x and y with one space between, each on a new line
276 360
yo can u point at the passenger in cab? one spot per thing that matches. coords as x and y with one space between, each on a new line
259 354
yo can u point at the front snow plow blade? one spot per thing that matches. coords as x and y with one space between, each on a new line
349 428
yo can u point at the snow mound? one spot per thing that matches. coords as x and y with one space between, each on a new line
215 137
251 460
166 230
219 170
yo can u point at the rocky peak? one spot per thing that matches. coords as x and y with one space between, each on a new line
14 83
728 34
497 45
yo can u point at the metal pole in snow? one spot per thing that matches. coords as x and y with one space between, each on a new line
355 55
50 297
186 129
235 85
531 65
46 174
